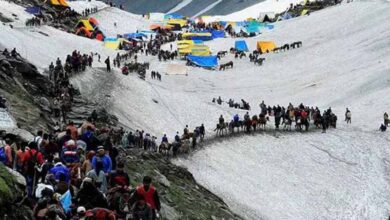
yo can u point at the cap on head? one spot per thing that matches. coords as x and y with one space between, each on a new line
81 209
147 180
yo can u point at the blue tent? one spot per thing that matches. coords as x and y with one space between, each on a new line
202 38
240 45
134 35
173 16
217 34
33 10
198 42
204 61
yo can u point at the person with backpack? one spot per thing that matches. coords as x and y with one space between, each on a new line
147 191
89 196
31 161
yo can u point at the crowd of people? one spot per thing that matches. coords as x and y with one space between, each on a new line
78 173
232 104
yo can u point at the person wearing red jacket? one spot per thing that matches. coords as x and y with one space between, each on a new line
147 192
32 159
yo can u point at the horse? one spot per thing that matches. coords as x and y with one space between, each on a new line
185 147
221 127
285 47
222 53
263 121
248 125
235 124
164 148
259 61
287 124
226 65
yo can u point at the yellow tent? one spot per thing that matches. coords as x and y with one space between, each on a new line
180 22
181 42
266 46
305 11
86 24
115 44
63 3
54 2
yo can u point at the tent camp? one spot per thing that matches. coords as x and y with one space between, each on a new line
175 69
265 46
241 45
203 61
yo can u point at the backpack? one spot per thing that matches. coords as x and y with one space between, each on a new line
3 156
31 163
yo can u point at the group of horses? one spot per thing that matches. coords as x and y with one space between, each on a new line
226 65
259 122
285 47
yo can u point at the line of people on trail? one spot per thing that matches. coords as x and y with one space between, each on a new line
86 12
79 173
300 115
180 144
243 105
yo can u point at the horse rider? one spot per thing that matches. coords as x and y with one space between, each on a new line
185 131
177 137
386 119
221 120
164 139
236 118
246 116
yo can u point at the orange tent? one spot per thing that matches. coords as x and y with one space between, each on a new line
93 21
265 46
63 3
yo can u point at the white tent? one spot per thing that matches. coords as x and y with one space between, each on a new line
156 16
175 69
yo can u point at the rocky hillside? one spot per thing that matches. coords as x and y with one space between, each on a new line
182 196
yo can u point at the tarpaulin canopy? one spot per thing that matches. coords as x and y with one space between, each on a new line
241 45
134 35
63 3
55 2
173 16
113 43
93 21
86 24
33 10
217 34
204 61
180 22
266 46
